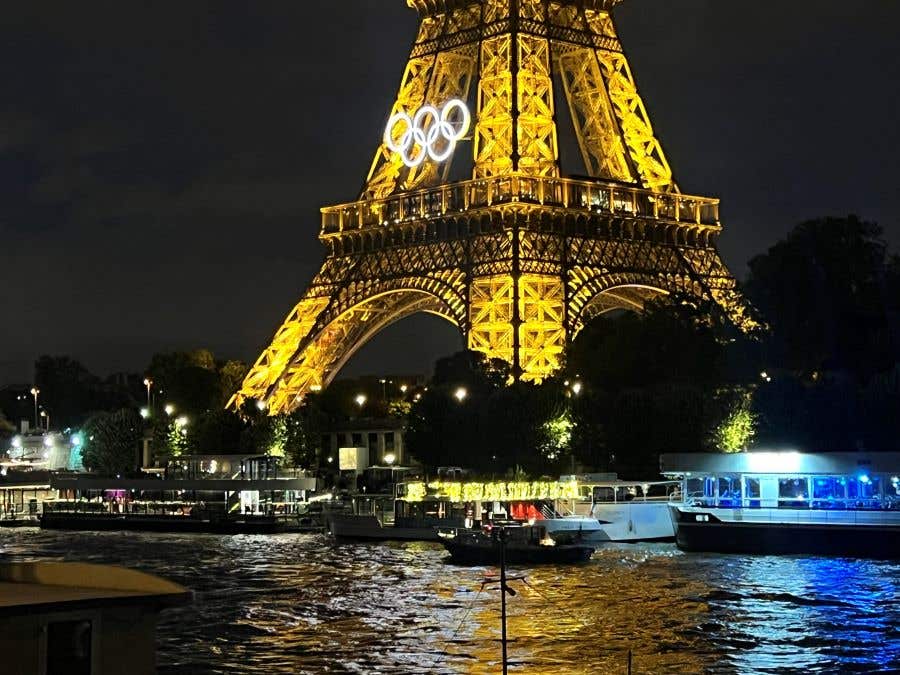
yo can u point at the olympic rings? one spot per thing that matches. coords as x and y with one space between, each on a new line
426 131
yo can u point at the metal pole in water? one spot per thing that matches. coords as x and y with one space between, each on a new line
502 536
629 662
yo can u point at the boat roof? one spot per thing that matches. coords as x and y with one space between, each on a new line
784 462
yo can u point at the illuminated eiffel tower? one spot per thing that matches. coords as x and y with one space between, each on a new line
519 257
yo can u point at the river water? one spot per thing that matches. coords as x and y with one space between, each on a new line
301 604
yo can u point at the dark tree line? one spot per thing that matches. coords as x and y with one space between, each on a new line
831 294
825 375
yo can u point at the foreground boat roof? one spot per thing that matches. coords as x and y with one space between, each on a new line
779 462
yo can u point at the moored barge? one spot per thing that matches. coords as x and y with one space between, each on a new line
842 504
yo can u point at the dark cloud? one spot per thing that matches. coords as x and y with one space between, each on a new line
162 164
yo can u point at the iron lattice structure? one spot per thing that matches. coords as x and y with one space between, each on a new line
518 257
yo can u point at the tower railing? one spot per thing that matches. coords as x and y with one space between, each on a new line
581 196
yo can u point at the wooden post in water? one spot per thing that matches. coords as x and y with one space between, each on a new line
502 537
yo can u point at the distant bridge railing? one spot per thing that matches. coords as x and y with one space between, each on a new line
588 197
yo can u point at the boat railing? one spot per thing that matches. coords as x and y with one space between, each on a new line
850 505
809 516
138 510
548 513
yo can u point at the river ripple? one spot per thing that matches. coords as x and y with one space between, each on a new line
301 604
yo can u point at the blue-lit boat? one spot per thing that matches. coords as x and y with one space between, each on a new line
845 504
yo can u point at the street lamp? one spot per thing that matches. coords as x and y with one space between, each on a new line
145 413
148 383
45 414
576 388
360 400
403 388
34 392
169 409
461 394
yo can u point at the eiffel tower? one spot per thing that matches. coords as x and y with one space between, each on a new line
519 257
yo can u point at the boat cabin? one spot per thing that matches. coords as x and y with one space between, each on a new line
787 480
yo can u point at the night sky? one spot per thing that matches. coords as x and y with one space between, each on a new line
162 163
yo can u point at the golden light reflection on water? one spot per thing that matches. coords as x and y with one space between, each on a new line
585 619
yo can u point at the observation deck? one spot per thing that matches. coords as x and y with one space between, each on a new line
429 7
561 195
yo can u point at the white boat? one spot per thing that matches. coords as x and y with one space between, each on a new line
628 511
788 503
573 528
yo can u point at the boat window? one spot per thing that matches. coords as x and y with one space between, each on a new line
659 490
793 492
626 494
603 494
729 491
695 491
864 492
829 492
892 493
751 485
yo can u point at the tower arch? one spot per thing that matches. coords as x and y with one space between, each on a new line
310 361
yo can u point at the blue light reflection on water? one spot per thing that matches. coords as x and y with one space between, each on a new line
298 604
805 613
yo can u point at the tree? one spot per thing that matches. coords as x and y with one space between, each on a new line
470 417
649 383
303 433
829 291
738 429
188 380
112 442
215 432
231 376
71 393
6 428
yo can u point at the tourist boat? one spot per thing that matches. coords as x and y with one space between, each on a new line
626 511
525 545
845 504
597 508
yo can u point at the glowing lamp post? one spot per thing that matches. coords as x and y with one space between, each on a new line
360 400
34 392
148 383
460 394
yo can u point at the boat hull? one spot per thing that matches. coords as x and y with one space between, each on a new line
475 554
729 536
633 522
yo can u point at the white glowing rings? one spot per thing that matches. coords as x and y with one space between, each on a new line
429 133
